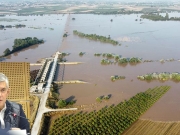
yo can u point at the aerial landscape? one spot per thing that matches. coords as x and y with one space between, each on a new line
97 67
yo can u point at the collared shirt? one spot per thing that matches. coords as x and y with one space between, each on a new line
2 117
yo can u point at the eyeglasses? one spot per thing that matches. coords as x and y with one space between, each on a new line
3 90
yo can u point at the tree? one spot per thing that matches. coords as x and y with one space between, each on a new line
55 95
6 52
61 103
65 35
167 16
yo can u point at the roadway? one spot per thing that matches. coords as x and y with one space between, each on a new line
42 105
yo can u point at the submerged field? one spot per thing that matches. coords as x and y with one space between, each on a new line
108 120
148 40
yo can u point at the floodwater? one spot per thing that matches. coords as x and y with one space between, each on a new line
47 27
146 39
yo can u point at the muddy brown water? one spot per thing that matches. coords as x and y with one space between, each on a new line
147 39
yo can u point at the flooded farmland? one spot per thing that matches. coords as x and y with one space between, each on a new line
146 39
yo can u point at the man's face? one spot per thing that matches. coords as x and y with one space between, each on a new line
4 92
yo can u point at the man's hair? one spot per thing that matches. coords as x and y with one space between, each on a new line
4 78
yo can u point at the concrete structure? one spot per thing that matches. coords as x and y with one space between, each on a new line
19 81
45 72
42 105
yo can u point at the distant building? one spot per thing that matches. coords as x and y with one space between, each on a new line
18 74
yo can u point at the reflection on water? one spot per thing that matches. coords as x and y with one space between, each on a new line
25 49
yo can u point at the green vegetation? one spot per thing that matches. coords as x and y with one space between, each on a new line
158 17
81 53
2 26
62 57
106 97
54 100
101 98
8 20
44 10
96 37
123 61
53 96
97 54
51 28
22 43
20 25
62 103
118 59
133 60
65 35
35 103
109 120
116 77
106 62
165 76
10 26
65 54
35 27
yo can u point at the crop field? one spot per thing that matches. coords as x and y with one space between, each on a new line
32 10
147 127
109 120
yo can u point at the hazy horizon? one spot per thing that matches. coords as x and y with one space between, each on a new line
91 0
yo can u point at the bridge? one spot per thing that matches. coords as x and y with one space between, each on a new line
68 82
66 63
42 105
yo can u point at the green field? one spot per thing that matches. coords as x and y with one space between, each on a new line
109 120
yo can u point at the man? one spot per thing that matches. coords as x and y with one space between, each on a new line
11 114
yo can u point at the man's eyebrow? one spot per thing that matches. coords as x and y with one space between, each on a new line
3 88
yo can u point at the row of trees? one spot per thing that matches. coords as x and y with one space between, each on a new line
22 43
96 37
164 76
158 17
10 26
109 120
132 60
118 59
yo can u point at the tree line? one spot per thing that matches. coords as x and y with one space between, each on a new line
22 43
164 76
96 37
158 17
10 26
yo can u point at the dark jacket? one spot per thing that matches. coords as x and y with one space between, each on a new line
14 116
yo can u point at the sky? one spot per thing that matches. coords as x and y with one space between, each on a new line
95 0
